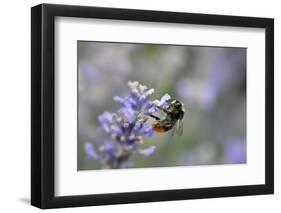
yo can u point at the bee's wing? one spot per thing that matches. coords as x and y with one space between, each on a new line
179 127
173 132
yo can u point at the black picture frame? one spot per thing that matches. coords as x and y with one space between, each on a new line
43 105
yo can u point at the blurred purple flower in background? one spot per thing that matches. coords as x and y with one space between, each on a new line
221 75
88 71
126 128
90 151
235 151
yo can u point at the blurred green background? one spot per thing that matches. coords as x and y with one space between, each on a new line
210 81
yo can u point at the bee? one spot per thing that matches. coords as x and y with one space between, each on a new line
174 115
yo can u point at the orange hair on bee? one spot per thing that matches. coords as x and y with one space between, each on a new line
157 127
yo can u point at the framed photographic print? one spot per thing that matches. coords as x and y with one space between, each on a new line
139 106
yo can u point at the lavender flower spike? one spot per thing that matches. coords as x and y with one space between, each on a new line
127 128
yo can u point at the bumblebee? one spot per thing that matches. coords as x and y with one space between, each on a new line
174 115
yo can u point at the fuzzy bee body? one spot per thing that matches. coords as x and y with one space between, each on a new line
174 115
162 126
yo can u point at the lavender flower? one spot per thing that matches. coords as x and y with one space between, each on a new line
127 127
90 151
139 99
235 151
163 101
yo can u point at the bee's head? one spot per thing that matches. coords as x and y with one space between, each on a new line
178 104
180 108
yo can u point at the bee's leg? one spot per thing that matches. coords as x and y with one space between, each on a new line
164 110
155 117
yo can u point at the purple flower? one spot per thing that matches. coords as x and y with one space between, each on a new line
111 155
235 151
105 119
147 130
90 151
163 101
127 127
139 99
148 151
88 71
128 114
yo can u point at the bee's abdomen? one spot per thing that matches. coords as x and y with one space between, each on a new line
160 127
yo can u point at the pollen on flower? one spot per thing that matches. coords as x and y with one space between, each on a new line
142 88
126 125
156 101
143 97
113 135
134 90
150 92
132 137
133 85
